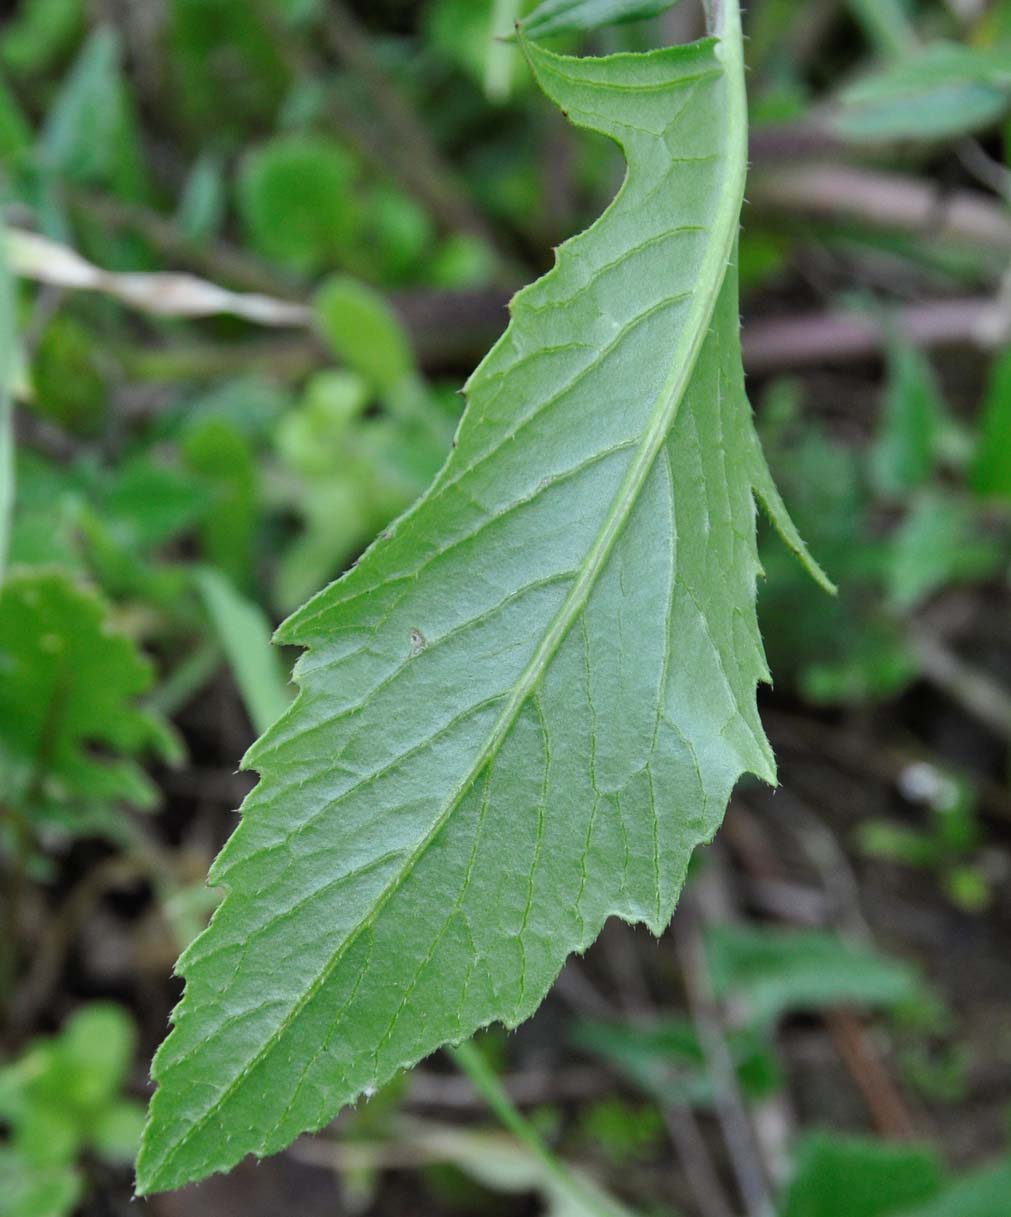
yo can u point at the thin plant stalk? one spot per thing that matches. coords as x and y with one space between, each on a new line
485 1081
501 55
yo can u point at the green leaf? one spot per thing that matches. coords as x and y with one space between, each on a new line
297 202
81 124
117 1131
95 1049
146 503
40 33
665 1059
228 68
983 1193
906 447
47 1134
203 203
244 633
15 131
352 474
625 1134
497 1162
45 514
223 457
69 376
841 650
68 688
850 1177
313 436
458 31
938 543
62 1093
943 90
90 134
968 888
529 702
31 1191
580 16
911 846
8 363
991 466
773 972
360 328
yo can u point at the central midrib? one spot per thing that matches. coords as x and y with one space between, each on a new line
683 361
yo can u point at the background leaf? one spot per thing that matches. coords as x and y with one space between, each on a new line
983 1193
991 466
578 16
8 362
296 196
906 449
68 686
938 544
772 972
244 633
853 1177
942 90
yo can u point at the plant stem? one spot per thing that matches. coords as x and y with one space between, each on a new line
494 1093
500 56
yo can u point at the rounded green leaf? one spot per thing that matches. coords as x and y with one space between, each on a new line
296 196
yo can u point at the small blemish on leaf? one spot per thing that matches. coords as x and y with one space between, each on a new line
418 642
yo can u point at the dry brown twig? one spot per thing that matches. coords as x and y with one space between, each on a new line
832 190
842 336
973 690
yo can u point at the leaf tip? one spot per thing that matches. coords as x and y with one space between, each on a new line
770 498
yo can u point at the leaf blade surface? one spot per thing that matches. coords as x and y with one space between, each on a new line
531 699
